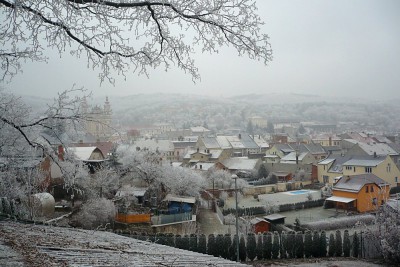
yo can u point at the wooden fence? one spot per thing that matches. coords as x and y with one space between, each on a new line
133 218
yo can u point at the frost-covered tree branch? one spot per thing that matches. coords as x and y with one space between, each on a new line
123 35
18 128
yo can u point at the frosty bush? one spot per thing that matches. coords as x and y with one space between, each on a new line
95 213
387 236
338 223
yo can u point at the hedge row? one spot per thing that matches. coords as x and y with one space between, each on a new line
284 207
263 246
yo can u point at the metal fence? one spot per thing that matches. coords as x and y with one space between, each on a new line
171 218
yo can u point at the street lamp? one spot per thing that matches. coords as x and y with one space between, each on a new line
234 176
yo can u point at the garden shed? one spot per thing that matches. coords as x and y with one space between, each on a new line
275 218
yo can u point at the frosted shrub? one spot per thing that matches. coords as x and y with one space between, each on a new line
96 213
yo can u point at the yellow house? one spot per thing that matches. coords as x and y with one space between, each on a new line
361 193
280 150
327 140
335 166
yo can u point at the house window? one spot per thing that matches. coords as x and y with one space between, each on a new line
396 179
374 201
366 189
388 167
372 188
368 169
349 167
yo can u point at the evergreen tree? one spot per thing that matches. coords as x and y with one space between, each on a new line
275 246
170 240
220 245
267 245
211 246
356 245
338 244
346 244
283 245
316 244
202 245
299 245
185 242
227 244
331 249
259 249
160 239
232 249
251 246
262 171
322 244
242 249
308 244
193 243
291 242
179 242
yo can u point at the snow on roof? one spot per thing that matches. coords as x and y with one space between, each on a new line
364 161
377 148
210 142
257 220
356 182
83 153
341 199
240 163
173 198
273 217
199 129
77 247
223 142
129 190
154 144
326 161
291 157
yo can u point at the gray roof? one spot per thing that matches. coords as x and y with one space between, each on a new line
377 148
355 183
292 157
55 246
183 144
312 148
365 161
210 142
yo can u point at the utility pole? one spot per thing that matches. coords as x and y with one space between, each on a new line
234 176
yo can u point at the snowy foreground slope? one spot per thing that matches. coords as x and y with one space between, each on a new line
38 245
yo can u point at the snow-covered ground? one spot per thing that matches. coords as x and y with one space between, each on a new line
41 245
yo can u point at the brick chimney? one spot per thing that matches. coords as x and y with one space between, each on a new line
61 152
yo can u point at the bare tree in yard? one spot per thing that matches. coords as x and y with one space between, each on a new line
122 35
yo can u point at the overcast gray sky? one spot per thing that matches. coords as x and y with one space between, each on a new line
329 48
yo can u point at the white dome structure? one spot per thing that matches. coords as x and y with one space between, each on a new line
43 205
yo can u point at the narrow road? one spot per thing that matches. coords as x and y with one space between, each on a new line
210 224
